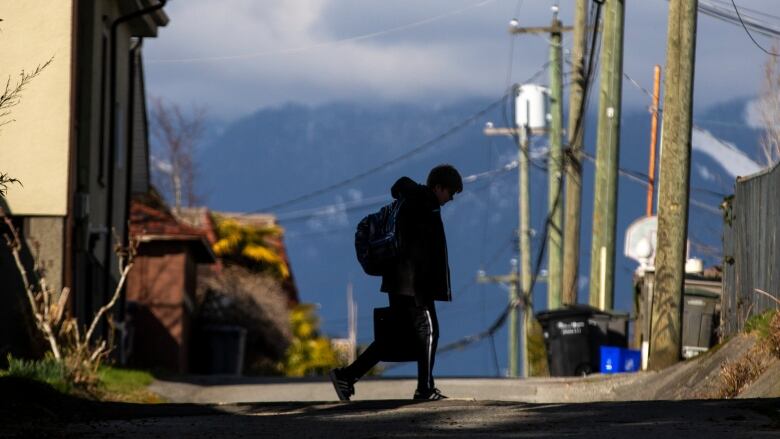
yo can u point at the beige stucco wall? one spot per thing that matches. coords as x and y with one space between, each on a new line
34 148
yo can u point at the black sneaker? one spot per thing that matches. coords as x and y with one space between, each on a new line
429 395
344 387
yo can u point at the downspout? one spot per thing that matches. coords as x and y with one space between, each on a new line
112 133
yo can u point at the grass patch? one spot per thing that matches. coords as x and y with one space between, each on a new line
127 385
112 384
760 324
48 370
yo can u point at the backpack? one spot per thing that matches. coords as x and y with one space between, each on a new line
377 243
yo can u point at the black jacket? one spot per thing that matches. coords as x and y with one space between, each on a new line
422 270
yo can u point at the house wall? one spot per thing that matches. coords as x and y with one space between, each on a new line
35 147
73 166
105 150
157 297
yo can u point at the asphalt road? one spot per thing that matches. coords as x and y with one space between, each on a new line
221 389
31 409
713 419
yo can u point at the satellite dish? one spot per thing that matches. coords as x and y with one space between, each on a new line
641 241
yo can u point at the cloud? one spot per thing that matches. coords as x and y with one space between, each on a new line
272 52
332 216
705 173
752 115
728 156
354 194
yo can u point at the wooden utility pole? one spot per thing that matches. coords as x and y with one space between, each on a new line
351 324
523 275
571 233
524 237
555 169
512 337
602 259
653 139
670 256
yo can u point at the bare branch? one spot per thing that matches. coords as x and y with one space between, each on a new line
12 94
767 295
41 316
129 265
176 133
5 180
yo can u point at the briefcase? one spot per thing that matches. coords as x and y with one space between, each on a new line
394 333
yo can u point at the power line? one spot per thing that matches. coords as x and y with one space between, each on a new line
405 156
384 165
736 9
321 45
380 199
726 15
726 4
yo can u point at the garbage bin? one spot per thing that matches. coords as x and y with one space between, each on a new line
699 321
616 360
574 334
223 349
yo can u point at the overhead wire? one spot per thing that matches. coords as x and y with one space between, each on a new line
420 148
724 13
381 199
736 9
320 45
414 151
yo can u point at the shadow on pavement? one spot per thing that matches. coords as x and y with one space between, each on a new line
31 408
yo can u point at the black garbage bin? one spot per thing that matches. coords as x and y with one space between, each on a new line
700 321
573 335
223 349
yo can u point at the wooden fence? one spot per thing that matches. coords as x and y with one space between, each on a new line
751 249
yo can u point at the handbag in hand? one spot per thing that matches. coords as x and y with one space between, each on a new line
394 333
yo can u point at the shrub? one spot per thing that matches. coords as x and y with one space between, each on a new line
759 324
773 336
250 246
254 301
309 353
736 375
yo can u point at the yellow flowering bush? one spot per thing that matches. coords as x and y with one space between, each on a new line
309 353
249 246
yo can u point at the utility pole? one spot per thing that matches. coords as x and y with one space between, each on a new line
653 139
512 280
602 259
352 324
523 275
675 179
555 169
571 233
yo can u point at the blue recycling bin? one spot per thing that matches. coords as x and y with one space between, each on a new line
610 359
616 360
631 360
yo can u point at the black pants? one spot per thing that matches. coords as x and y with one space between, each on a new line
426 329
